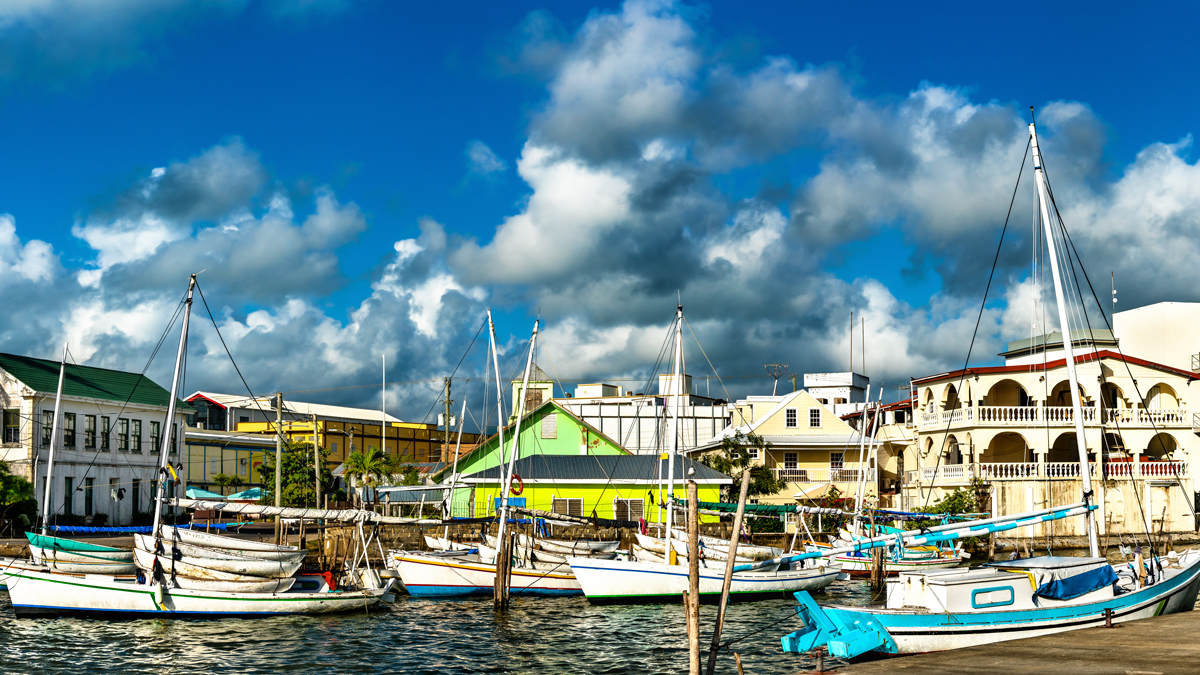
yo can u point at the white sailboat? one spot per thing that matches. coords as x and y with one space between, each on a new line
639 581
40 593
1000 601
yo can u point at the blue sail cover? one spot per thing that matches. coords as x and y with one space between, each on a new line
1080 584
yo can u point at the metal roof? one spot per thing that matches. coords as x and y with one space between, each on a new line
297 407
605 468
41 375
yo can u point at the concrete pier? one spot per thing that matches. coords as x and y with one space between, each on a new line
1165 645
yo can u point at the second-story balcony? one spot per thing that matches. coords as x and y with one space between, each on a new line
1054 416
960 474
822 475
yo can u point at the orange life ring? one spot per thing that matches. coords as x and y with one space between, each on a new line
517 486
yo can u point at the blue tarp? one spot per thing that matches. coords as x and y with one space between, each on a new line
197 493
142 529
253 493
1080 584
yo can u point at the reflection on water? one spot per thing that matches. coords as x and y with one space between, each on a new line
416 636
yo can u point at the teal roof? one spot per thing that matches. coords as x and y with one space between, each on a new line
198 493
88 382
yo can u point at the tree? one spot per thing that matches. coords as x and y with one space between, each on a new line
733 458
226 481
367 468
16 497
399 466
297 475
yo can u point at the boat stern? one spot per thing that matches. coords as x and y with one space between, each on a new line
844 638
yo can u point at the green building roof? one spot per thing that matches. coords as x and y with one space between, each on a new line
88 382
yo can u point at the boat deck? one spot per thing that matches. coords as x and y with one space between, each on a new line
1161 645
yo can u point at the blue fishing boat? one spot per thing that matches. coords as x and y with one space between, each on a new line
950 609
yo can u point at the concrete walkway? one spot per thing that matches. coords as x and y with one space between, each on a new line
1166 645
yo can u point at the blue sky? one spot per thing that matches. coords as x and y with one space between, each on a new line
779 164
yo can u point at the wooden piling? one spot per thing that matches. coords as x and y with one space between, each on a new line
733 544
503 571
693 596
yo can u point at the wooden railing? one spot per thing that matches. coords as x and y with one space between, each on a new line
821 475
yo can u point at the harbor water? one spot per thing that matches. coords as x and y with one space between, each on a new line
565 635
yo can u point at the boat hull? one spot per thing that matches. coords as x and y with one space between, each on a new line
35 594
198 538
918 632
861 566
429 576
607 582
216 570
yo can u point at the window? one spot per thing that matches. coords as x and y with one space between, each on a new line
89 431
550 426
791 460
88 489
568 507
835 460
628 509
112 489
753 452
123 435
12 426
175 433
68 495
137 495
154 432
243 418
814 418
105 433
47 426
136 436
68 430
791 418
533 399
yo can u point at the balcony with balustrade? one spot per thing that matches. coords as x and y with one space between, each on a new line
1055 416
962 474
823 476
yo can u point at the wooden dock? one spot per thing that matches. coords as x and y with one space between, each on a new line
1166 645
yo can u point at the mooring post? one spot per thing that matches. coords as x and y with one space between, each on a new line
693 598
733 544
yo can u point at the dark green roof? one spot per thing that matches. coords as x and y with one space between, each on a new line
88 382
565 468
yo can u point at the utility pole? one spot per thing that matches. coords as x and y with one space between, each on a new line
316 461
776 371
446 434
793 377
278 461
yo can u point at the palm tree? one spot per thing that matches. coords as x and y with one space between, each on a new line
369 467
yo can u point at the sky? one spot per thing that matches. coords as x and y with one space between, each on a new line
364 180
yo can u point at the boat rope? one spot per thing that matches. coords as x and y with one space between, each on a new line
978 320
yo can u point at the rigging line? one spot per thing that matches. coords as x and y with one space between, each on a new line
546 348
1154 427
728 398
424 420
141 376
213 319
978 319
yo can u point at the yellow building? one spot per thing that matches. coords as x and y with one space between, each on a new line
811 448
208 453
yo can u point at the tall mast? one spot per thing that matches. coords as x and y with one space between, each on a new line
512 457
170 423
499 391
62 371
677 390
1068 349
454 471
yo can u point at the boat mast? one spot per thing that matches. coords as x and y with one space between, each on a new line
170 423
512 457
62 371
499 394
677 390
1068 349
454 471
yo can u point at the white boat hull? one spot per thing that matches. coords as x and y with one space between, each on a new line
583 547
52 555
46 594
444 544
198 538
258 586
620 582
430 576
216 570
225 559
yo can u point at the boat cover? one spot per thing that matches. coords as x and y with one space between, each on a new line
1060 577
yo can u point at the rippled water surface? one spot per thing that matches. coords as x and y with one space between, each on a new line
416 636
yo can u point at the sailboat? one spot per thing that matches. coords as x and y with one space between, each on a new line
951 609
207 592
466 573
634 581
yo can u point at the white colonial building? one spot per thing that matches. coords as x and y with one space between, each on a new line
112 426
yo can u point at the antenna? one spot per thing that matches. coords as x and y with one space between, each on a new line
776 371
